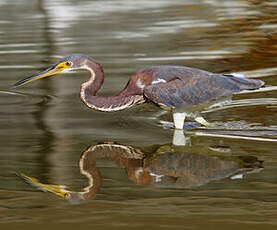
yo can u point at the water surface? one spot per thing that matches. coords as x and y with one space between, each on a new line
223 177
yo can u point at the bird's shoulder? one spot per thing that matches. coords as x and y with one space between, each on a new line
166 73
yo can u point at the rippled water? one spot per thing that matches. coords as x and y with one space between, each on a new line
121 170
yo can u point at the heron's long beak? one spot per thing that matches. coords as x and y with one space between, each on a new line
55 69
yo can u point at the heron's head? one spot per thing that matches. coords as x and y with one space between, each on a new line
72 62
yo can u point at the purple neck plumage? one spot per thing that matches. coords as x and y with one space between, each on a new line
125 99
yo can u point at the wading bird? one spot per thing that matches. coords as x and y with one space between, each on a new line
184 91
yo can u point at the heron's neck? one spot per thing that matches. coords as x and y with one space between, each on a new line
121 101
96 80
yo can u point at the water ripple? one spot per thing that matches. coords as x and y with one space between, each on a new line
240 103
232 136
183 58
264 72
19 51
17 45
17 98
12 67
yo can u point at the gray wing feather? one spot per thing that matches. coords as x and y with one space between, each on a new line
197 90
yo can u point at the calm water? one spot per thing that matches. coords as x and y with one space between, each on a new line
121 170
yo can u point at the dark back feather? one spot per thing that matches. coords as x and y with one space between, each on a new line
186 87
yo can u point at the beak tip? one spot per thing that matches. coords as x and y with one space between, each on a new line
21 82
14 85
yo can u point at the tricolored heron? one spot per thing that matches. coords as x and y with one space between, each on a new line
184 91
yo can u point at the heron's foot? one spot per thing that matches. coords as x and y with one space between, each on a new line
203 122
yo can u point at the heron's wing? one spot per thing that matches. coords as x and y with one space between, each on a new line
191 91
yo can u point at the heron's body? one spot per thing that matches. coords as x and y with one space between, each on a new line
182 90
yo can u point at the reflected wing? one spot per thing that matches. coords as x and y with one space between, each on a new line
191 91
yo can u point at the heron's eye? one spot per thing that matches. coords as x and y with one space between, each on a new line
68 63
66 195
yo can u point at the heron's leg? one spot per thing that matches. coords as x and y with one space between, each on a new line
179 118
202 121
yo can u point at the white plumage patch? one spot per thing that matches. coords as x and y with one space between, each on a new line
140 84
159 80
69 70
126 151
111 108
156 177
241 75
138 172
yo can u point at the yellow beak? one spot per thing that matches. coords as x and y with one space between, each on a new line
55 69
58 190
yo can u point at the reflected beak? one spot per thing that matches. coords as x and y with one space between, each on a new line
55 69
58 190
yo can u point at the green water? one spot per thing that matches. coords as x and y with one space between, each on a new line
220 178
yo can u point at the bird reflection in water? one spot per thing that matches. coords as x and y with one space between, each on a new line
163 166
